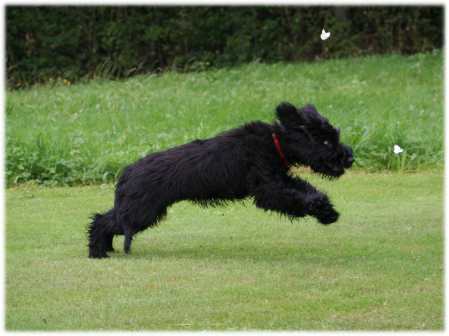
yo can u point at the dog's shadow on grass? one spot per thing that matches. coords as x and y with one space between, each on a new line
248 252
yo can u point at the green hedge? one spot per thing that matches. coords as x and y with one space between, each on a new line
73 43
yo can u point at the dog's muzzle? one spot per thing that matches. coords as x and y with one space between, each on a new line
349 157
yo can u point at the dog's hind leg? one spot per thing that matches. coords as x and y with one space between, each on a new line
128 229
108 241
128 240
151 219
109 237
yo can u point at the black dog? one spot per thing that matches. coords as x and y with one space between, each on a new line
249 161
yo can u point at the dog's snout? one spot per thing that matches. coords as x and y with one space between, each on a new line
349 156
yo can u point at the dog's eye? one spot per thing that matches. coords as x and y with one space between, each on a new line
327 143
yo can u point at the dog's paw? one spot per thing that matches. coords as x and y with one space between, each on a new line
328 216
320 207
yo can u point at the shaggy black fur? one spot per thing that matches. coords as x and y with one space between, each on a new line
242 162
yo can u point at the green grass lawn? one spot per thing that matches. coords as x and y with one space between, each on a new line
87 132
236 267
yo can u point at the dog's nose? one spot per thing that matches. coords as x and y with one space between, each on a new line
349 156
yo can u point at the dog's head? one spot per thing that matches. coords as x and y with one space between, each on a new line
309 139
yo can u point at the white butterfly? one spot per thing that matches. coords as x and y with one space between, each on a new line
324 35
397 149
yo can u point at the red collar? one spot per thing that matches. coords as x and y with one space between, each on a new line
277 144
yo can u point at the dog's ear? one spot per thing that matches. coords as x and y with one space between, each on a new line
288 114
311 116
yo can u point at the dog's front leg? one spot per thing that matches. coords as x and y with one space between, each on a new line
295 199
317 203
281 198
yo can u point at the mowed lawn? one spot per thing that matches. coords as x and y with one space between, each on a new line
232 268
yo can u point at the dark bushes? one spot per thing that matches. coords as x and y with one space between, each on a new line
46 43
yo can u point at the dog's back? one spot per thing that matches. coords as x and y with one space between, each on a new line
202 170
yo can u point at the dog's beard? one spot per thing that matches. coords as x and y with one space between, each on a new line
328 172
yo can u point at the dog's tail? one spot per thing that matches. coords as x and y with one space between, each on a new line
101 228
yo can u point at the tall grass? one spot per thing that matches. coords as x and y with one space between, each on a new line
87 132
